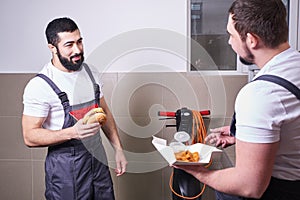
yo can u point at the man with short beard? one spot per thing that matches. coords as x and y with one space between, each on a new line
267 112
55 102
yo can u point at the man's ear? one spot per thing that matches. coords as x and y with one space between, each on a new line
52 48
252 40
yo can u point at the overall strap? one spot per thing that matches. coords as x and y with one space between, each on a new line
274 79
63 99
95 85
282 82
62 95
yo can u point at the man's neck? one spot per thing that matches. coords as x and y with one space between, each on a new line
264 55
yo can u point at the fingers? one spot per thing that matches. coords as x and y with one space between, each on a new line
86 130
225 130
212 138
92 129
86 135
224 145
217 139
121 162
217 130
121 168
220 142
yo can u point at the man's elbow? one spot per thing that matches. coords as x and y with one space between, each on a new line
254 195
254 192
28 143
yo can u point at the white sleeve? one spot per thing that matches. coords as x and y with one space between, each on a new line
37 98
259 113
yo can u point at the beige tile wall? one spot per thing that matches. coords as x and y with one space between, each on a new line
134 99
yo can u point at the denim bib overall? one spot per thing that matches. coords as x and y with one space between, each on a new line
77 169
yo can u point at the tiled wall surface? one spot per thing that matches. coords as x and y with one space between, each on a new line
134 99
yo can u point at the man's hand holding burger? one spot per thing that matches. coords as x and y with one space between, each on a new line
90 124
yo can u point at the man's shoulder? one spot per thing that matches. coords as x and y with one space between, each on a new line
91 68
37 85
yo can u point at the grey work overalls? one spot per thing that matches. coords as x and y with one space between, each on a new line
278 189
77 169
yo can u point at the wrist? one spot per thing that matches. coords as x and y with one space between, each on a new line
118 148
71 133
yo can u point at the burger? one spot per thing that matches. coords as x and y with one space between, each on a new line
95 115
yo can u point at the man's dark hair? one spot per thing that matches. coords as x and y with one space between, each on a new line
264 18
57 26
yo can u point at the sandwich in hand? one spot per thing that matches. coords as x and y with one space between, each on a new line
95 115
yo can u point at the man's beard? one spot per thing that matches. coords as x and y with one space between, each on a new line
245 62
69 64
249 58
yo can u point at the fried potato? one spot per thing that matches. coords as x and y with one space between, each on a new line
187 156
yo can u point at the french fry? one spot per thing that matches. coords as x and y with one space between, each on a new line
187 156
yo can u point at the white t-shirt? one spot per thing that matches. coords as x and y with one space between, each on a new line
40 100
267 113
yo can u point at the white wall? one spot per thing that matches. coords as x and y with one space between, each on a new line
119 35
23 43
294 24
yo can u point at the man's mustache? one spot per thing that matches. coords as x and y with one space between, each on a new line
78 54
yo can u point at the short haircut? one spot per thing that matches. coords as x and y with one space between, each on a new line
264 18
57 26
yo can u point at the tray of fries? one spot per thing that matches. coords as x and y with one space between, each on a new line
196 154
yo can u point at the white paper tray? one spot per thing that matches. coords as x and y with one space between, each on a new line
205 152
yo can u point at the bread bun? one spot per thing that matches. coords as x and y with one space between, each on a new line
95 115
